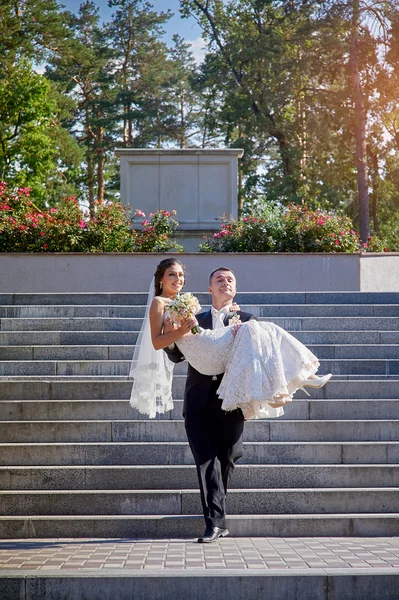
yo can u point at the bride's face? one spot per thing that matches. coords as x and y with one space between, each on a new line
172 281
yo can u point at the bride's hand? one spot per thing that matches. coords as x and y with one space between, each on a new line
168 326
187 325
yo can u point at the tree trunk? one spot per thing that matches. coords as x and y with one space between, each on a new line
375 183
90 181
182 122
100 165
360 119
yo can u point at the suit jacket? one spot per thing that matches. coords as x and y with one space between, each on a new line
198 387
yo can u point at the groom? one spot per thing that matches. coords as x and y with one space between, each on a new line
215 436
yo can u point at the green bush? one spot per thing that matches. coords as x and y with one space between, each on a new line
294 229
25 228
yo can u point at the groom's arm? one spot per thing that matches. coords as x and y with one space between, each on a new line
245 316
174 353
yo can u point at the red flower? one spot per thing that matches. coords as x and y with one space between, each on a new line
45 246
337 242
42 234
82 224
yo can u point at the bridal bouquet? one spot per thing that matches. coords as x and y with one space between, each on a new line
184 306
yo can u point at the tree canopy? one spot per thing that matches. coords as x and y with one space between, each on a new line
309 89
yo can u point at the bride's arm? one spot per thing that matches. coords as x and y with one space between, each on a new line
160 339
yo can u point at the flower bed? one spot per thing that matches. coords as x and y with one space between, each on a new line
296 229
67 228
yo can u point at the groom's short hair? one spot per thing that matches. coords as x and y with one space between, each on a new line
220 269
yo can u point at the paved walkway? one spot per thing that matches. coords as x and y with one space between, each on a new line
58 555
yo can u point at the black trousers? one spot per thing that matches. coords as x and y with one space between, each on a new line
215 439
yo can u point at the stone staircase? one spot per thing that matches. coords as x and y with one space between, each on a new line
77 461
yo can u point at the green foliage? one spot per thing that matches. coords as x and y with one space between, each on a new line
66 228
294 229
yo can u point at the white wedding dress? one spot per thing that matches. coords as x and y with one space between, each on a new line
262 364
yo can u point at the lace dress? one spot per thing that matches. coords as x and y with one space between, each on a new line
262 364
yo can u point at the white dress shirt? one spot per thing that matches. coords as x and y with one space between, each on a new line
218 316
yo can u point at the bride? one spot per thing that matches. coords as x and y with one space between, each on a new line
263 365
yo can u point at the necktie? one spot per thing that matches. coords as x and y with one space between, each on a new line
219 316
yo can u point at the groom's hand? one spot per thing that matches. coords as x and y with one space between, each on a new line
235 328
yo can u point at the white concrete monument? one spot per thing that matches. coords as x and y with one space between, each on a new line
200 184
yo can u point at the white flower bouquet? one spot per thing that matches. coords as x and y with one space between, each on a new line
184 306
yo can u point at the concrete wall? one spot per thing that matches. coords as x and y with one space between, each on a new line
200 184
255 272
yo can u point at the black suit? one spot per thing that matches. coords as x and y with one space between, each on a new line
215 436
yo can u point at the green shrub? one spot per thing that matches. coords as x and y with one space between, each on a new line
25 228
294 229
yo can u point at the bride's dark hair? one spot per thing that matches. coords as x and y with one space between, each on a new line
159 273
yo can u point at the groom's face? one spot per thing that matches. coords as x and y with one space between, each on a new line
222 287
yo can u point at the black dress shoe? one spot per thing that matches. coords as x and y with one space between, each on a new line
212 534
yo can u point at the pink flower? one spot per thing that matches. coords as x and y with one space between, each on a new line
337 242
166 213
342 233
23 227
151 215
321 221
139 213
145 223
82 224
4 207
53 210
246 219
364 245
352 232
42 234
25 191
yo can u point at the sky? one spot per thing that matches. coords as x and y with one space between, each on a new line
187 28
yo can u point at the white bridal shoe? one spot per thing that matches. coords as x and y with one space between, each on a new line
315 382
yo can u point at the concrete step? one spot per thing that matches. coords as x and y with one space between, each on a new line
93 352
108 352
114 389
346 366
189 526
260 310
134 324
179 453
173 431
140 298
39 338
187 502
159 477
108 338
53 410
